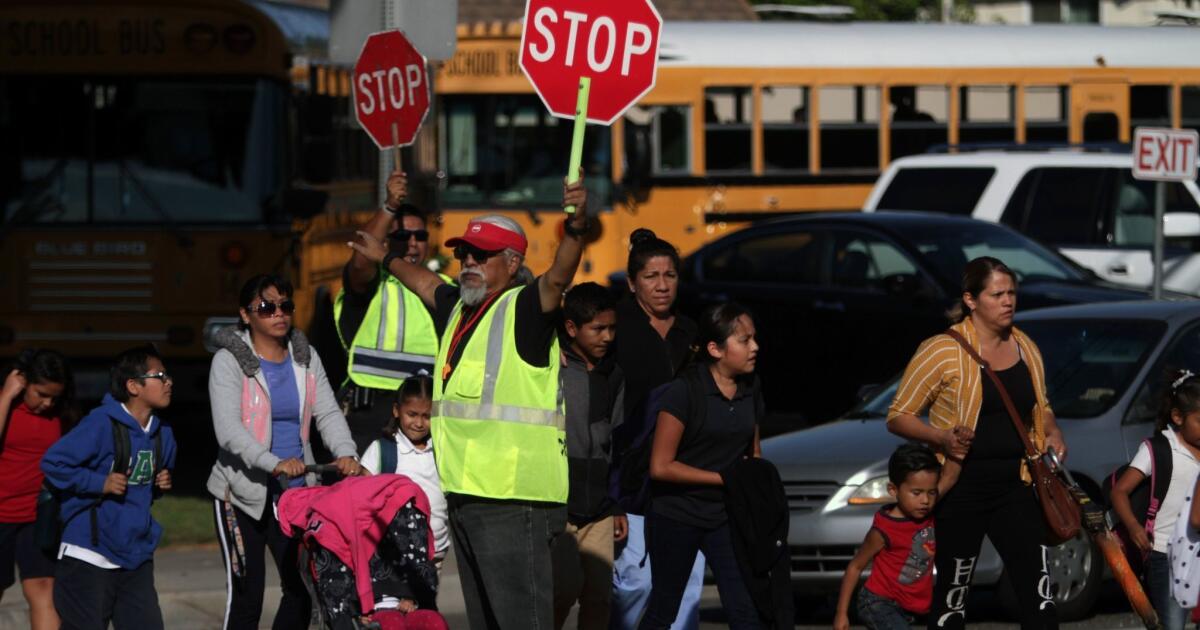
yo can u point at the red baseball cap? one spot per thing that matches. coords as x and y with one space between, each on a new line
490 237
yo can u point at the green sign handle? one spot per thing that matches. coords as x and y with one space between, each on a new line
581 107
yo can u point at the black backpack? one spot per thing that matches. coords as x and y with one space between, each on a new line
389 456
1147 498
50 522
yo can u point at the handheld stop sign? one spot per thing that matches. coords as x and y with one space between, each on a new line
589 60
391 90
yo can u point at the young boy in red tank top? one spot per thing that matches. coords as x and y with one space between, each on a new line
901 546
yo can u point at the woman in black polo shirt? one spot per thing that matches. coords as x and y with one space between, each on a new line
708 420
653 344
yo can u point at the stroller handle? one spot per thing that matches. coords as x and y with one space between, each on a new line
318 469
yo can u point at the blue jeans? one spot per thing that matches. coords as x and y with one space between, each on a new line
631 583
880 613
503 554
673 546
1158 584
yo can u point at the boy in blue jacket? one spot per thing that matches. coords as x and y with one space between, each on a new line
105 569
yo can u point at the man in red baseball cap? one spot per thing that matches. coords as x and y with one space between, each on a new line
497 423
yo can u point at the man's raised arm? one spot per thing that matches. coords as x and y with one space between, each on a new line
555 281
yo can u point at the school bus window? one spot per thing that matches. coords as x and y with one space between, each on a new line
785 128
849 127
727 133
986 114
1149 105
506 150
1046 113
920 118
140 150
657 140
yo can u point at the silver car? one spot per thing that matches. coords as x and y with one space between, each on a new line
1105 366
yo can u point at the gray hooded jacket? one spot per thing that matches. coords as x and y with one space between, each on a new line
244 462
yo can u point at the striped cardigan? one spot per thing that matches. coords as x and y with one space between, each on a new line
943 379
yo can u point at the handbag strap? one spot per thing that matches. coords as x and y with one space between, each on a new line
1030 451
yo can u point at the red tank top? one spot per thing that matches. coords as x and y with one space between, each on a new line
903 570
27 437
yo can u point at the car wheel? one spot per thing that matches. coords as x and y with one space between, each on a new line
1076 569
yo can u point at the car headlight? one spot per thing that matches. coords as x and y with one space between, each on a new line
873 491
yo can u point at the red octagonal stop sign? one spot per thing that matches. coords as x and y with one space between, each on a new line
614 42
391 89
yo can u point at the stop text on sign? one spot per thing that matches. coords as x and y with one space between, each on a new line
600 40
393 87
1165 154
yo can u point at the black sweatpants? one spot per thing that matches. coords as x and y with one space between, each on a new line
990 499
245 593
88 597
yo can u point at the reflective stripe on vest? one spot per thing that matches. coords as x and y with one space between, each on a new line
395 340
509 441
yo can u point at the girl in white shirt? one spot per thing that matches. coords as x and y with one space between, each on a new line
409 432
1179 421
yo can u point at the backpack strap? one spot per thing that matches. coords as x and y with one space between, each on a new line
389 456
697 407
159 464
121 451
1160 465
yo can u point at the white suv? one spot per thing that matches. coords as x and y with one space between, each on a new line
1088 205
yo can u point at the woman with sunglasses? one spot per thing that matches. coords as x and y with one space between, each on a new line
267 388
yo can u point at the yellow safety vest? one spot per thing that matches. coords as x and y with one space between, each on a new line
395 340
499 428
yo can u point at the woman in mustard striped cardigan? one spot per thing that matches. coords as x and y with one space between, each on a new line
986 488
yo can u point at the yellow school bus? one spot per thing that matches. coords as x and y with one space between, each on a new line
143 175
755 119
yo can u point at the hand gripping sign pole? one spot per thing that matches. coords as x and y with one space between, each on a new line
589 61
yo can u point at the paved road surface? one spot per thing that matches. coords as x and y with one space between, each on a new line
192 592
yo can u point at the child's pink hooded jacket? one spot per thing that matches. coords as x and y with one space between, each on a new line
350 518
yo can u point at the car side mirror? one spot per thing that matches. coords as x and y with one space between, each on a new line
304 203
1181 225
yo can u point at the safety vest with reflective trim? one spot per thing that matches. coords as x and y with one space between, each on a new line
395 340
499 428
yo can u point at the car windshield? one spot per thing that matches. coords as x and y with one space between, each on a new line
949 246
1089 364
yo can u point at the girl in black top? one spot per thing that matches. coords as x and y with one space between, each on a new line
691 447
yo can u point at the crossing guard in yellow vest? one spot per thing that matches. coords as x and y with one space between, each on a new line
386 330
498 424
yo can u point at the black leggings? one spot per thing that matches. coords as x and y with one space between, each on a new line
1007 512
245 593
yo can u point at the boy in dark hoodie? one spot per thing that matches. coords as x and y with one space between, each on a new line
105 569
593 390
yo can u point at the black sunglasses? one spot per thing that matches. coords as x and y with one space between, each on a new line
462 250
403 235
162 376
267 309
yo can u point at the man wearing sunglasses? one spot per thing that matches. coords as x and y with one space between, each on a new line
498 426
386 330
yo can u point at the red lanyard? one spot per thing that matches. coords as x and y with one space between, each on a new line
461 330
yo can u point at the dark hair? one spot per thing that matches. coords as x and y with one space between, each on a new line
1182 393
49 366
130 364
408 209
419 386
974 280
644 245
717 323
255 287
910 458
585 301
